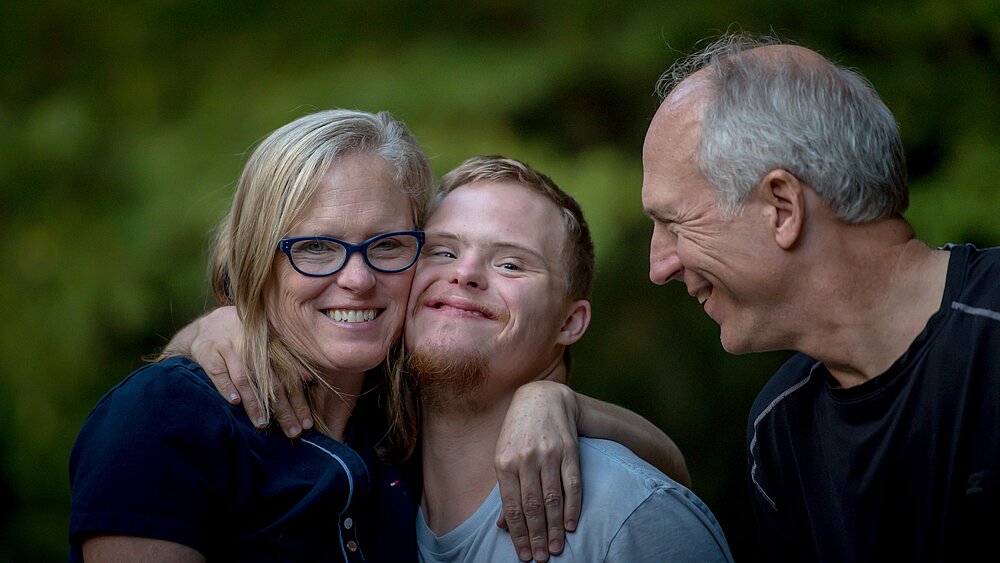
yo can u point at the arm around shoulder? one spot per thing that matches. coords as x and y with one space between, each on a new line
599 419
115 549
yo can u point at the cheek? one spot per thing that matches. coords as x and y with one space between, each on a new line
422 280
697 249
288 296
685 251
397 287
532 313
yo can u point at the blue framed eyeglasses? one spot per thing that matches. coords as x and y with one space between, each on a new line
324 256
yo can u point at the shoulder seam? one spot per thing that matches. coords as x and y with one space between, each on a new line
976 311
753 441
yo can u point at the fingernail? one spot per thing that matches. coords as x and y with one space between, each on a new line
555 546
260 422
233 397
307 423
540 555
294 431
571 525
524 555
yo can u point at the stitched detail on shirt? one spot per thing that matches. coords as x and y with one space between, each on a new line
977 311
753 441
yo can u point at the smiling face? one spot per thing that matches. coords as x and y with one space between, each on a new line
492 280
345 323
722 259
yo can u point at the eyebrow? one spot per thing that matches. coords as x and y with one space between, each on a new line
493 244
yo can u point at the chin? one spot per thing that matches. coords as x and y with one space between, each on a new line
445 336
357 360
735 346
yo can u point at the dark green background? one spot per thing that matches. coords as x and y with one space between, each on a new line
123 126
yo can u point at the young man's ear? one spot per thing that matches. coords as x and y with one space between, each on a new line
576 323
785 203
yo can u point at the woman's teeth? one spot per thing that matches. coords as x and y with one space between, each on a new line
351 315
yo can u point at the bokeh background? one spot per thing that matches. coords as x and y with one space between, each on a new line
123 126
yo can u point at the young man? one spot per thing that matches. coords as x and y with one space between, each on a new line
500 294
776 183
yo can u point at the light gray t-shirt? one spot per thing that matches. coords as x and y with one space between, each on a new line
631 512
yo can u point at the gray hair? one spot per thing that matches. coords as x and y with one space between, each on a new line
824 124
277 185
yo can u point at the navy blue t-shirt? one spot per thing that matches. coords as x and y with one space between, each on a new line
163 455
903 467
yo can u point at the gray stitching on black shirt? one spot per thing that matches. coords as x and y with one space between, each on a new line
978 311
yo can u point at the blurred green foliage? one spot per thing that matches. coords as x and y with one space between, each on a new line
123 126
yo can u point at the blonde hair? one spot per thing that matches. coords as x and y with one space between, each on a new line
277 185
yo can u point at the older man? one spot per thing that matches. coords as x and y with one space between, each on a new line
500 295
776 183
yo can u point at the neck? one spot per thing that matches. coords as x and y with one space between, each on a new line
458 446
870 293
333 401
457 451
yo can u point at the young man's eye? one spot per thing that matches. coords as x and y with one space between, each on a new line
439 252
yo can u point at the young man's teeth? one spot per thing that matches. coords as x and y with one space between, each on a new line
703 295
351 315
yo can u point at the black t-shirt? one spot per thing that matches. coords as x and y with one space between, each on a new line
164 456
903 467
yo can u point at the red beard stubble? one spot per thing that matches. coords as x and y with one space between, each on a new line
446 378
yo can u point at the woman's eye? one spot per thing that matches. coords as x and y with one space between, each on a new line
387 244
510 266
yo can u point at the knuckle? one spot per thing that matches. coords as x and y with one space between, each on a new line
543 446
512 512
552 499
532 507
520 540
572 484
505 464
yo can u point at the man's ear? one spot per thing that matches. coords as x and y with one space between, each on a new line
576 323
782 194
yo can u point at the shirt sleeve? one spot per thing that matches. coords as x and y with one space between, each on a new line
152 459
671 525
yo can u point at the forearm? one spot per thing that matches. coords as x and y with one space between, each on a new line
113 549
599 419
